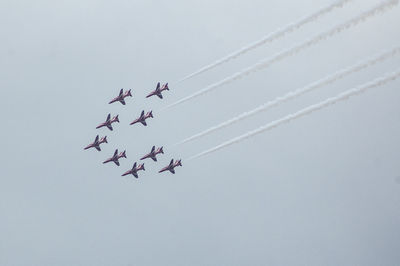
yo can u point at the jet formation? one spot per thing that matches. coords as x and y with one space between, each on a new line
141 119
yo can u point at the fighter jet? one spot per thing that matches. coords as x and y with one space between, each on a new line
159 90
121 97
96 143
108 122
142 118
171 166
153 153
134 170
116 157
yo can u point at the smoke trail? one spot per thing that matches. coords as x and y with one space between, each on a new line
315 85
270 37
330 101
265 63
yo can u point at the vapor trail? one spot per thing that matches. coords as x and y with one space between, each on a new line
341 97
270 37
386 5
296 93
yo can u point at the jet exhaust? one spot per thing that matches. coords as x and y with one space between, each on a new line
270 37
296 93
386 5
308 110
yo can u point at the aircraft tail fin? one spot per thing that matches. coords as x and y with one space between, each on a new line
105 139
117 119
123 154
161 150
151 114
129 93
166 86
143 167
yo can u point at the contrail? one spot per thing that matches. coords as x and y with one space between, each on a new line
386 5
341 97
296 93
270 37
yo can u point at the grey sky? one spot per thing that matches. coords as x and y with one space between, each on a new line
321 190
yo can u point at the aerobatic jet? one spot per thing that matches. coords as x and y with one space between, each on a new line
108 122
171 166
159 90
142 118
153 153
96 143
121 97
134 170
116 157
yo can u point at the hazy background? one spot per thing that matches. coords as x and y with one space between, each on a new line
322 190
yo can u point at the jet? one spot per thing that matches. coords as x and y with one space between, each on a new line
121 97
116 157
142 118
108 122
159 90
134 170
96 143
171 166
153 153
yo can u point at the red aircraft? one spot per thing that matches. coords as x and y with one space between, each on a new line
108 122
159 90
96 143
153 153
116 157
142 118
121 97
134 170
171 166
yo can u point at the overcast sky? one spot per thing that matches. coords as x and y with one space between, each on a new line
321 190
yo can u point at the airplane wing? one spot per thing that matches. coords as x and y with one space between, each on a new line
172 161
158 86
142 114
108 117
172 170
144 122
121 91
97 148
116 162
96 139
154 158
153 148
135 174
115 153
159 95
122 101
110 127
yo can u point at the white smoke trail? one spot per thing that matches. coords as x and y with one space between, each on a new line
296 93
270 37
341 97
386 5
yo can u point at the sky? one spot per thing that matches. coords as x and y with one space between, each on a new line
321 190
